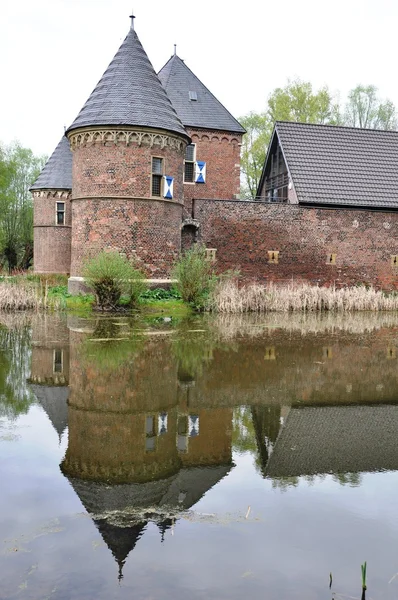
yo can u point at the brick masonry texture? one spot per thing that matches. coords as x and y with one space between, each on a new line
52 249
103 170
244 233
146 231
221 152
112 206
52 243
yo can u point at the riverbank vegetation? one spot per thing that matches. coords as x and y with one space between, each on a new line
230 297
119 286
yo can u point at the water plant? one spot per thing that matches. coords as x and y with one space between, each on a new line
109 275
195 277
363 573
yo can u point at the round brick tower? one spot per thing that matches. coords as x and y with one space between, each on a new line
128 150
52 193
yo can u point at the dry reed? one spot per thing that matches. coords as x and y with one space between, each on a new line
24 296
230 298
229 326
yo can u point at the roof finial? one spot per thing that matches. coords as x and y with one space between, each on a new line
175 49
132 17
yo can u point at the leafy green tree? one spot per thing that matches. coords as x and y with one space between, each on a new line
19 168
365 109
254 145
297 101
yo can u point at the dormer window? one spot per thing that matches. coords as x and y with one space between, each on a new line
193 96
189 163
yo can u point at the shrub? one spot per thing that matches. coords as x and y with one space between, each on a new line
110 275
195 277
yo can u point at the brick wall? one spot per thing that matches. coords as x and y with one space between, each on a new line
244 232
112 205
221 152
51 249
147 231
52 243
109 169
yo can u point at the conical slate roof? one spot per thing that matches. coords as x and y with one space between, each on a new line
54 401
206 111
129 93
57 172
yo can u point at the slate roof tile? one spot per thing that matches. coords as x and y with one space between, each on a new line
341 165
57 172
129 93
206 112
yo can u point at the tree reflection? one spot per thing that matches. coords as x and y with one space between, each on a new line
15 356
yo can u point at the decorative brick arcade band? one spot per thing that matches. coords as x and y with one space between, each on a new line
61 194
125 136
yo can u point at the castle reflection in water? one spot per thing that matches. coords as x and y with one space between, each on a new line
153 419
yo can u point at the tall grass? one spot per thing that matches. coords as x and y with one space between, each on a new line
228 297
25 296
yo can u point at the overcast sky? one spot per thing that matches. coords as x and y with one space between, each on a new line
53 52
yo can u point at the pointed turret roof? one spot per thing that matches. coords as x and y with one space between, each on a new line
129 93
57 172
205 111
54 401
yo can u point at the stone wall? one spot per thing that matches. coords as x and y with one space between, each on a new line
280 242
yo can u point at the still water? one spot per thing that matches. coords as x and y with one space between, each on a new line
217 458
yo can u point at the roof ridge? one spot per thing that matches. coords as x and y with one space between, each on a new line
331 126
199 114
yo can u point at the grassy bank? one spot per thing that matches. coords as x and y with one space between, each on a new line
229 297
33 292
36 293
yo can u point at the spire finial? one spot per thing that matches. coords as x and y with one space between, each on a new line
175 49
132 17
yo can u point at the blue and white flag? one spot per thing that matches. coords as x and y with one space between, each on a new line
168 187
200 171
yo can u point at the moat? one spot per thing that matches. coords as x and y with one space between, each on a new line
215 457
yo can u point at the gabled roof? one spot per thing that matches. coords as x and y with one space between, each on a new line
57 172
340 165
129 93
336 439
206 112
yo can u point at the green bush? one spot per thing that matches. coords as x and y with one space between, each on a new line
110 275
160 294
195 277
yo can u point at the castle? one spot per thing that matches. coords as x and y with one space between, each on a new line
151 165
130 166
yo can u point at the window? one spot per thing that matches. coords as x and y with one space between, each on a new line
150 434
211 254
273 257
60 213
157 176
58 361
193 96
331 259
182 434
189 163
